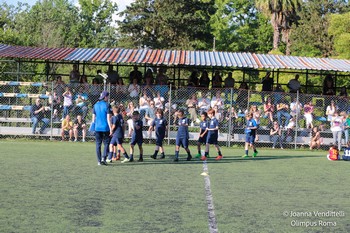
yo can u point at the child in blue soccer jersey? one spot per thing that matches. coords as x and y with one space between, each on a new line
117 134
250 132
203 133
159 124
136 136
346 155
182 136
212 137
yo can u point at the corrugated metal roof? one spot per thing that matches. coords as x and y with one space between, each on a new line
175 58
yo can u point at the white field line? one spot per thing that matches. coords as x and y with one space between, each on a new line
213 228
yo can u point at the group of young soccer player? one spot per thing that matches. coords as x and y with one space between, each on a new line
209 127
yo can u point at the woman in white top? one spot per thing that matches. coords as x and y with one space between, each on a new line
67 102
331 109
159 101
134 89
336 128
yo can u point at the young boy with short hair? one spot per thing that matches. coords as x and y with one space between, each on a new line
250 132
182 135
159 124
213 134
202 139
118 129
136 136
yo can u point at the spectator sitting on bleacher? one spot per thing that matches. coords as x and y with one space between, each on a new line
84 85
308 111
67 102
295 107
282 111
144 104
67 128
232 114
276 135
328 85
330 110
159 101
55 101
269 109
37 112
59 86
79 128
148 84
217 103
204 102
242 97
149 79
134 89
216 80
113 75
135 74
150 114
193 80
81 106
315 141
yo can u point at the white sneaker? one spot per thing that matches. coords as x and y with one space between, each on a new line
273 147
75 140
108 160
83 140
99 164
125 160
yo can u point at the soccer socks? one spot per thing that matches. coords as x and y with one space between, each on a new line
246 152
141 156
131 157
114 155
206 154
255 151
177 154
219 153
126 155
110 154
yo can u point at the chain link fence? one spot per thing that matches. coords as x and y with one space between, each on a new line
295 114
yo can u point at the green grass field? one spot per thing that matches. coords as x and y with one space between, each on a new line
58 187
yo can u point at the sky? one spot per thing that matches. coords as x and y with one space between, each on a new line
121 3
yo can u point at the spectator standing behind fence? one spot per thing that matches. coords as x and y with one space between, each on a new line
282 111
330 110
192 104
149 76
55 101
276 135
242 97
113 75
294 84
295 108
37 112
336 128
216 80
59 86
121 91
328 85
95 90
161 78
79 128
150 114
229 83
84 85
101 119
148 85
74 75
343 99
135 74
315 141
67 102
269 109
308 114
193 80
204 80
98 77
217 103
267 82
67 128
346 125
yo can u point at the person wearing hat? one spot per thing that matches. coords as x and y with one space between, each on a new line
101 119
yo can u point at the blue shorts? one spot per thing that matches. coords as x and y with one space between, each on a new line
135 140
115 140
202 140
346 158
159 141
182 142
212 139
250 138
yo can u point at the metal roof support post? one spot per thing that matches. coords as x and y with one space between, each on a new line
278 76
229 137
296 122
51 120
169 118
307 81
47 70
84 68
243 76
179 77
18 69
335 81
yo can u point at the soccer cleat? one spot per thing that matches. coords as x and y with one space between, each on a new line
75 140
131 160
109 160
83 140
153 156
176 160
203 158
99 164
245 156
162 157
125 160
255 154
198 156
103 163
219 157
140 160
189 158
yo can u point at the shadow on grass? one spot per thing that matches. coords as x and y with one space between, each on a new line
183 161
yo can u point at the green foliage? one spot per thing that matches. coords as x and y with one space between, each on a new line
339 28
166 24
310 37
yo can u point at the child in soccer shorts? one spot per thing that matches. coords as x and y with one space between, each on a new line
346 155
203 133
160 126
212 137
333 153
182 135
250 132
118 129
136 136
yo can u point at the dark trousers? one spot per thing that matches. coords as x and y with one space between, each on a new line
102 137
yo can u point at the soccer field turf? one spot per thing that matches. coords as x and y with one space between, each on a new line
58 187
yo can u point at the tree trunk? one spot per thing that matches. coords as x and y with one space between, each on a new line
276 31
